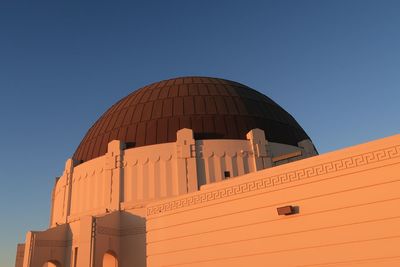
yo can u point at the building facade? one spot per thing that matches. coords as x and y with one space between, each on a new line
199 171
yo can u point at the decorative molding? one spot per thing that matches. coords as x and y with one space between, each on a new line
132 163
144 160
154 158
166 157
231 154
291 176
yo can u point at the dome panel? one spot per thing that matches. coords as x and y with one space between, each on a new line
214 108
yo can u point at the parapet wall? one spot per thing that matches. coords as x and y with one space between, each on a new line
344 209
124 179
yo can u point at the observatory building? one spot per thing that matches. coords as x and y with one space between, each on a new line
199 171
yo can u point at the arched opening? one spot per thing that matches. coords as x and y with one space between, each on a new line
51 263
110 259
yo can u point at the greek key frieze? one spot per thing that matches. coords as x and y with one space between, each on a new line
295 175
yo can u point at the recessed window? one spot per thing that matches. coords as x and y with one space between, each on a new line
227 174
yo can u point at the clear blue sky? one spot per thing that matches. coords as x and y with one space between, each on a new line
334 65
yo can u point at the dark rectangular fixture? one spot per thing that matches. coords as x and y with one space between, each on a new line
286 210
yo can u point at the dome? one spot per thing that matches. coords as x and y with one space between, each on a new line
213 108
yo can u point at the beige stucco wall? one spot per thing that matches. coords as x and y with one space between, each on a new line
348 215
99 206
128 178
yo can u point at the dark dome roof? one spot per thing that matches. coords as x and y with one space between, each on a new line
213 108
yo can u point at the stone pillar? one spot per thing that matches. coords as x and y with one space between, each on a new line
53 192
28 251
114 173
85 243
68 173
186 161
19 259
259 147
